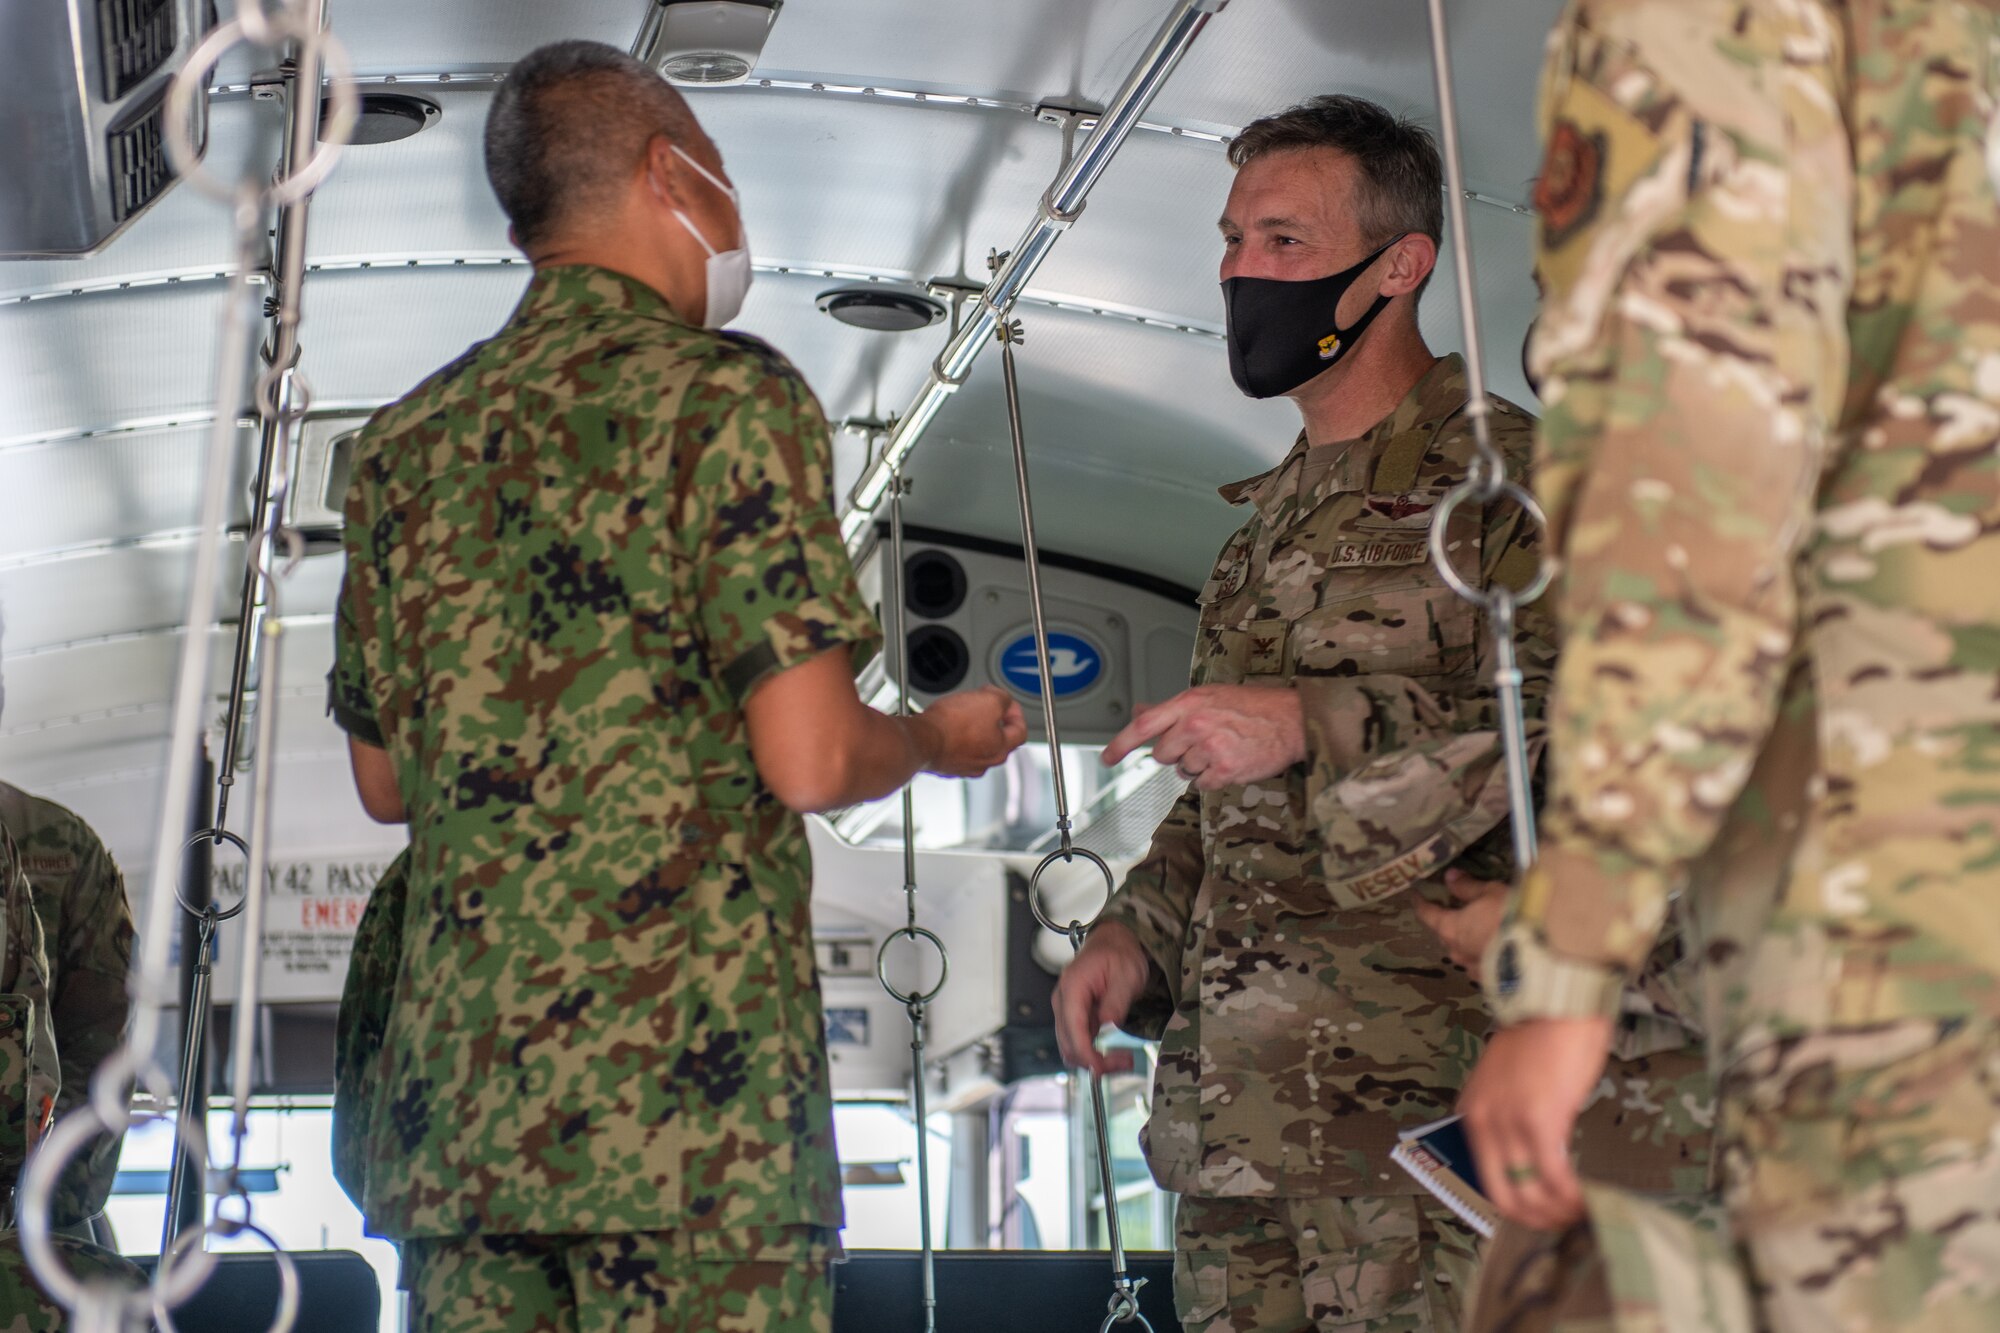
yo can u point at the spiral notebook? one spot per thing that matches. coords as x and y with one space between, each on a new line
1440 1157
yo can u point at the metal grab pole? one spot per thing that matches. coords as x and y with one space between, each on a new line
303 102
1124 1304
915 1002
1010 337
1486 482
1059 208
187 1191
917 1016
197 936
1513 729
1477 408
898 487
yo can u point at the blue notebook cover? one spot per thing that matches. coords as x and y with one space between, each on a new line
1440 1157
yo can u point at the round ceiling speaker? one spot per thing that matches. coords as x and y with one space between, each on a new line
387 117
883 309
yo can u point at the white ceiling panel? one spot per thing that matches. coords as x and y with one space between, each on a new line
420 196
100 749
51 689
115 591
384 36
68 492
91 362
373 335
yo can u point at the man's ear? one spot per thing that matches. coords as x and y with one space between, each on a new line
664 175
1409 264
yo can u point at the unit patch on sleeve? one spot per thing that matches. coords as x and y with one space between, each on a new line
1571 187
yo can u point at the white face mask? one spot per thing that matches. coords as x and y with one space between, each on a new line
727 271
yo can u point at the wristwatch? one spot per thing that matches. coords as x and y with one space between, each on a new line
1525 979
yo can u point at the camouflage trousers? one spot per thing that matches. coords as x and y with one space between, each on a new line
1862 1193
1398 1264
760 1280
1862 1174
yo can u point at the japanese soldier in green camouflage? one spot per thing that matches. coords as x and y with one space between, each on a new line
366 1001
87 921
1771 350
1342 738
596 644
30 1074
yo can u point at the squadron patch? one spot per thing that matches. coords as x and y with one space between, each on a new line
1570 190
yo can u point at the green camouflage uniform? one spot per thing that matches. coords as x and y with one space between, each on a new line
1306 1014
80 897
571 555
366 1000
1771 359
30 1076
30 1079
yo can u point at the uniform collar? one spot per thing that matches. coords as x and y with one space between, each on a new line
1425 407
567 291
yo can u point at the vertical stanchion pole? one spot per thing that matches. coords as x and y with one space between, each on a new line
187 1188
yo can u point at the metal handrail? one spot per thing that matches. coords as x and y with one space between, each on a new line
1059 208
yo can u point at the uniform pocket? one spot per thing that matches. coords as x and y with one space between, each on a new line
1353 1288
1201 1286
21 1093
1415 627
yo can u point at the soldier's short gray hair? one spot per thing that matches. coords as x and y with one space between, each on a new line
1402 178
567 128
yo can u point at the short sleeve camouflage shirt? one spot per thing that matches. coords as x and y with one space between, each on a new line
571 555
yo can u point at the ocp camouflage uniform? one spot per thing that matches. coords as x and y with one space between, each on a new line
1306 1014
1771 357
572 553
80 897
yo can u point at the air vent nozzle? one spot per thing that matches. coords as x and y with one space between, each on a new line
136 148
135 37
933 585
939 659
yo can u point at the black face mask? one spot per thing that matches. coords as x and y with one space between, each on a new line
1283 333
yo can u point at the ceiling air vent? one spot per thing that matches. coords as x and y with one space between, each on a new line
938 659
136 151
136 37
708 43
83 97
935 584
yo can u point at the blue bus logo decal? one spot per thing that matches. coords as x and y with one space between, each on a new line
1074 665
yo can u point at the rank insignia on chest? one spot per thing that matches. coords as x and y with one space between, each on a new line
1265 652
